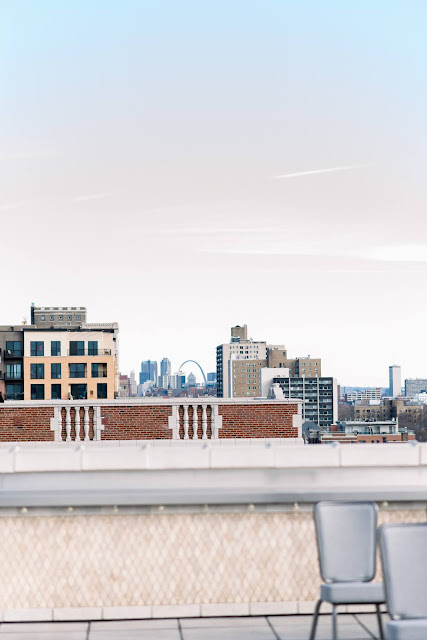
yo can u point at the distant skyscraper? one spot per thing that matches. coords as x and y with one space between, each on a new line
395 383
148 371
191 380
132 384
165 367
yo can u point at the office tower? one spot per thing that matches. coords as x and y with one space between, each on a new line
148 371
165 367
395 384
59 356
413 386
211 377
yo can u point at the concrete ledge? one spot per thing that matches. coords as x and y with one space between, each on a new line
225 609
78 613
26 615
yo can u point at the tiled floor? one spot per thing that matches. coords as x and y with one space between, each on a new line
351 627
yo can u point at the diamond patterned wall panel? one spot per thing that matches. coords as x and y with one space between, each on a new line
164 558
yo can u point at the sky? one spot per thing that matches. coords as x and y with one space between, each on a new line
181 167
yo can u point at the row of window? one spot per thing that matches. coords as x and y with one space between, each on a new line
77 391
60 318
75 370
77 348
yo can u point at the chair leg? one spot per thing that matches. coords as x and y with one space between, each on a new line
380 622
334 622
315 617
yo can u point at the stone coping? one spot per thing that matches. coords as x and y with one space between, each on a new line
208 472
20 404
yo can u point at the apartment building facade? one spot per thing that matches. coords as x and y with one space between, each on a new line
414 386
239 364
319 397
59 356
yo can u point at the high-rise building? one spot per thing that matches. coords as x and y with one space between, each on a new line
59 356
132 384
148 371
395 381
239 364
165 367
413 386
319 396
234 378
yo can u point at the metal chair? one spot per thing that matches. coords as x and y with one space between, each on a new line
404 558
346 534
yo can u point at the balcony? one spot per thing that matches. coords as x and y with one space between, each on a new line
13 353
236 538
14 375
89 352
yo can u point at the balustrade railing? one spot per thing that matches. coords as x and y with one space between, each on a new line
189 420
194 421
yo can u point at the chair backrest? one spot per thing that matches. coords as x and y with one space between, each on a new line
404 558
346 540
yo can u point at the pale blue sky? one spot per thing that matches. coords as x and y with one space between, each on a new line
140 148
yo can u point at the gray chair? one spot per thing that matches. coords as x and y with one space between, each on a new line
346 535
404 558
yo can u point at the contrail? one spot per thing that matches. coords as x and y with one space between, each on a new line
310 173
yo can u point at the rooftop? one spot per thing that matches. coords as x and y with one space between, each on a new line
354 626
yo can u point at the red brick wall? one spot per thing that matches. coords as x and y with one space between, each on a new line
136 423
145 422
28 423
258 421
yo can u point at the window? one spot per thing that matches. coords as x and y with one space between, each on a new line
37 371
69 318
55 392
99 370
14 348
14 391
60 318
55 370
37 348
77 348
55 348
93 347
51 318
42 318
37 392
78 318
101 390
78 391
77 370
13 371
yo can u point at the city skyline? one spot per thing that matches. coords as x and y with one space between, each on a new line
183 167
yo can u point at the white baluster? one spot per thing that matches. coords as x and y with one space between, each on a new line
178 424
185 422
212 422
68 423
204 422
195 422
77 422
86 422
